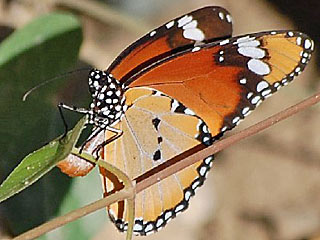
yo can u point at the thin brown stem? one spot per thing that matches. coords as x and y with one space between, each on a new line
105 14
72 216
150 179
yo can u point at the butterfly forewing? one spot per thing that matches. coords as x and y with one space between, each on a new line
222 82
203 25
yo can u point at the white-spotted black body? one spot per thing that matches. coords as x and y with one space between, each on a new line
108 102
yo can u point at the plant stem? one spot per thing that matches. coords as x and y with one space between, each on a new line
73 215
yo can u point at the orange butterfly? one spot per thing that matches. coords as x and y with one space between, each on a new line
184 83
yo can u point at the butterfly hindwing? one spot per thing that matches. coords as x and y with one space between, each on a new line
202 25
222 82
155 129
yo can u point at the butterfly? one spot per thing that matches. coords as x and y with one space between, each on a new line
182 84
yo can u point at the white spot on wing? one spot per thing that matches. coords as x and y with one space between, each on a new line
266 93
249 95
245 110
307 44
184 20
224 42
229 18
148 228
189 112
208 160
159 222
195 184
244 39
299 40
255 100
187 195
221 15
262 85
195 49
203 171
253 43
205 139
179 208
193 34
243 81
192 24
205 129
258 67
235 120
137 227
174 105
169 24
167 215
252 52
152 33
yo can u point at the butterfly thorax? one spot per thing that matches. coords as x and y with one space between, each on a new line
108 102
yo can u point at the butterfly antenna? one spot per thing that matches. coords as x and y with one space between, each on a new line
24 98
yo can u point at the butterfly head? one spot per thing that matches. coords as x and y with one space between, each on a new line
108 101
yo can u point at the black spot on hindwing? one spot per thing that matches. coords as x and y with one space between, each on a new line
157 155
156 122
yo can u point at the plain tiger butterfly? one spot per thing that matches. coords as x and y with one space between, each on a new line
184 83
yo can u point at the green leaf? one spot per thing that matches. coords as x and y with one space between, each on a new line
38 163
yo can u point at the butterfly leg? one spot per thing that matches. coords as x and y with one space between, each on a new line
70 108
118 133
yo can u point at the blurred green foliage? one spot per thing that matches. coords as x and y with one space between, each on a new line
44 48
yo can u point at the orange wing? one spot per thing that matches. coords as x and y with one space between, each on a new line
222 82
204 25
